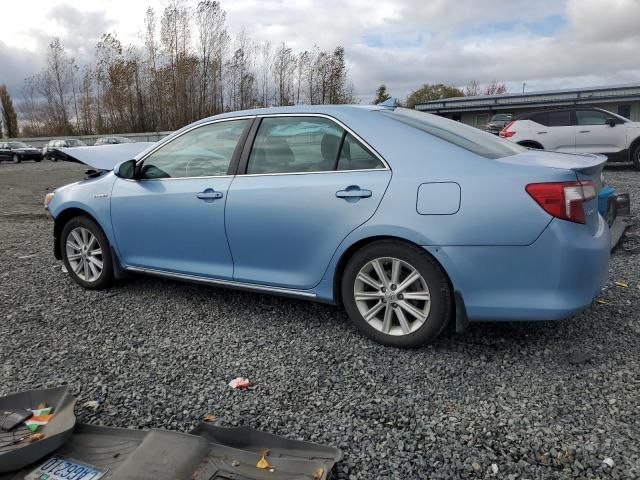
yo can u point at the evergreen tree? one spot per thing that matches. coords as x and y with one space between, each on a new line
9 116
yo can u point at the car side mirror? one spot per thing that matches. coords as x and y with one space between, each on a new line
612 122
126 170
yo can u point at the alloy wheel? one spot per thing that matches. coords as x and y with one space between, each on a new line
392 296
84 254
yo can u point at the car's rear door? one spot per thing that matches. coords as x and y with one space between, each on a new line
172 217
595 135
304 185
555 130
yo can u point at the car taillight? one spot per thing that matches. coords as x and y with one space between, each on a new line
563 200
505 132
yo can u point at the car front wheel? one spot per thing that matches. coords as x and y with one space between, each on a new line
16 158
396 294
86 254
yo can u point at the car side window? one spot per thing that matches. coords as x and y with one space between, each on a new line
354 156
591 117
541 118
295 144
205 151
561 118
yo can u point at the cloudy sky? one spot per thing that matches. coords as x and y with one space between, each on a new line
403 43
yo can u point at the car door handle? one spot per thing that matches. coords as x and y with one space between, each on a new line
542 133
585 131
209 194
353 191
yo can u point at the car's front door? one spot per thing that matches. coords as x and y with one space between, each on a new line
308 184
171 218
596 135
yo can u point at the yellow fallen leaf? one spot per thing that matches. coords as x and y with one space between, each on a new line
601 302
621 284
263 463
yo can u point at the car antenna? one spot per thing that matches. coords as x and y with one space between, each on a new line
391 103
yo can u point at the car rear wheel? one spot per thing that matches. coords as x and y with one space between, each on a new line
16 158
86 254
396 294
635 157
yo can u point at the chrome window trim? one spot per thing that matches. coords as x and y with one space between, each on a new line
220 282
270 115
313 173
338 122
158 147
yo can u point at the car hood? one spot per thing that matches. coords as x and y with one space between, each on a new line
105 157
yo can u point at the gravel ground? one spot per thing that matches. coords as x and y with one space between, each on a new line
521 400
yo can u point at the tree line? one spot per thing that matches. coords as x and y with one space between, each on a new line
439 91
187 66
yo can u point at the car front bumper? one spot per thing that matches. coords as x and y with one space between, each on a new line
555 277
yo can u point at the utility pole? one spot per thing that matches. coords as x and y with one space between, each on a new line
524 84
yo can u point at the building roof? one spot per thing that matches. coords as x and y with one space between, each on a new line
573 96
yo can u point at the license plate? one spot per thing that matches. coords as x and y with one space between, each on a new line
57 468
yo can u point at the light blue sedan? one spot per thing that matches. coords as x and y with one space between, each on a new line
408 220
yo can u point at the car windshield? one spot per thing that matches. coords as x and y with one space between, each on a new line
500 117
17 145
76 143
464 136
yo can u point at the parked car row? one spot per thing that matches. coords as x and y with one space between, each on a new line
19 151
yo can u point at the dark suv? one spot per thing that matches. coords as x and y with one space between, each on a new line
498 122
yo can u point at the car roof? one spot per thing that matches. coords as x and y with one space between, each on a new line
331 110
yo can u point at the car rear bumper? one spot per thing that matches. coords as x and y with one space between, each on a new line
553 278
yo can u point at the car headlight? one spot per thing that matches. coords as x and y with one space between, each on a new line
47 199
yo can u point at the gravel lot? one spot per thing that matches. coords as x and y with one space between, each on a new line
521 400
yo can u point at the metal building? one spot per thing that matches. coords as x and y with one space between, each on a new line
621 99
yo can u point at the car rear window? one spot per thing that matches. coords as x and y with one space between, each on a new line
459 134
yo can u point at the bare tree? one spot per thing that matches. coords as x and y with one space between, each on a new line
474 89
168 81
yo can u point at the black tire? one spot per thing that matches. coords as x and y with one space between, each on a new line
635 157
441 304
106 276
37 160
16 158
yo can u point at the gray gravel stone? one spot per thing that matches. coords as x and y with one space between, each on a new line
159 354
